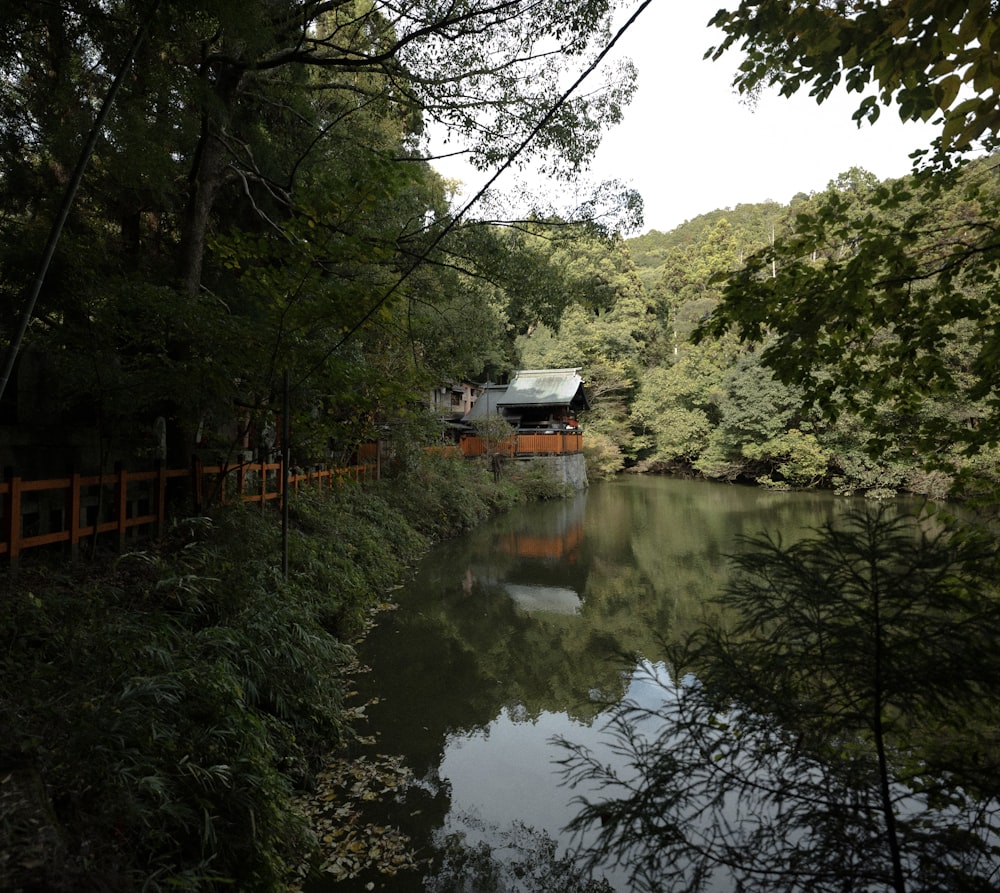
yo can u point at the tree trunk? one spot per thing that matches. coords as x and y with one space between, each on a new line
207 175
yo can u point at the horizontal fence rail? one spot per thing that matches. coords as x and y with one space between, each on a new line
260 482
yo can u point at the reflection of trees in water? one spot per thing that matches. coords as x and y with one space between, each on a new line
529 615
834 738
538 661
676 537
518 858
644 559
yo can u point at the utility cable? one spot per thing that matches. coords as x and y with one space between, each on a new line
457 217
70 195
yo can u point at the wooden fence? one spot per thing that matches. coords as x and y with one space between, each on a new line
548 443
72 508
69 509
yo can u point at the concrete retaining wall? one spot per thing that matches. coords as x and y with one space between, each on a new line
569 469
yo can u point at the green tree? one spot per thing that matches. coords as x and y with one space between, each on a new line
229 102
917 54
609 329
689 287
676 406
762 432
266 163
896 307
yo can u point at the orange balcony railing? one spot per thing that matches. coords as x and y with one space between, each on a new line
547 443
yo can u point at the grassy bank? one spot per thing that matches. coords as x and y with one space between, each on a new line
159 709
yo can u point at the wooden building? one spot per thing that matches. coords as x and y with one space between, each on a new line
535 400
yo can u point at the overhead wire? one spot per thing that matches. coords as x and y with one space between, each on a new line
70 195
484 189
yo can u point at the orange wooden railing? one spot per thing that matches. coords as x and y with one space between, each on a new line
122 501
552 443
14 538
260 482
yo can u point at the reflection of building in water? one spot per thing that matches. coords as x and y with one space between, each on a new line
546 599
539 565
564 545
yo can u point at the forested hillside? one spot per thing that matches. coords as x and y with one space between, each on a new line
850 338
678 391
262 199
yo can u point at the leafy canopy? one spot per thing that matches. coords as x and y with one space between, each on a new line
930 57
883 299
261 196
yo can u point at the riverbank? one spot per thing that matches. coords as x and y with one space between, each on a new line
162 708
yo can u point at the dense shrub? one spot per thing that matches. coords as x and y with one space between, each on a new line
604 456
445 496
158 710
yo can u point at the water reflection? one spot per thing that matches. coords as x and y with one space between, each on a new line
531 564
519 753
515 634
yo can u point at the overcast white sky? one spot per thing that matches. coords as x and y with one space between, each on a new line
689 146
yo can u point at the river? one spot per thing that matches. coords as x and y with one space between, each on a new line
516 633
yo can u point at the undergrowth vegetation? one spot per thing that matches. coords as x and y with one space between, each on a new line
159 708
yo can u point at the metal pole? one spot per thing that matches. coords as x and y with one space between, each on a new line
285 459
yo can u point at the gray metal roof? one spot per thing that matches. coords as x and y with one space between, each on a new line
530 387
545 387
487 403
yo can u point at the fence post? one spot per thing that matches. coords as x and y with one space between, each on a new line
121 502
263 484
74 500
196 483
283 481
13 516
161 498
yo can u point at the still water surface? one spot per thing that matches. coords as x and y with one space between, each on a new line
513 634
